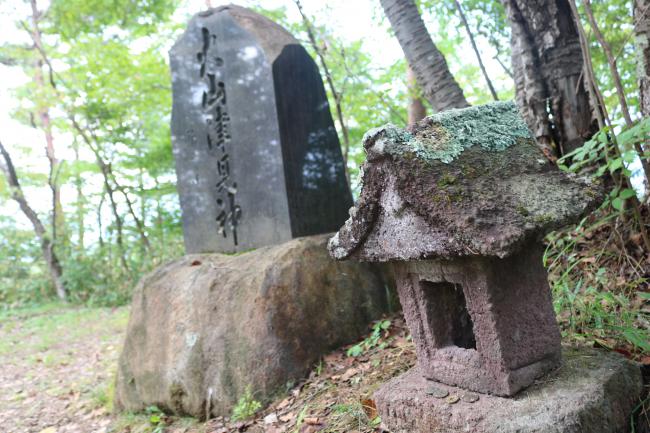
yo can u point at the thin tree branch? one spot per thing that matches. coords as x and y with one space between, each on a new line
330 81
613 69
504 67
459 8
51 259
603 118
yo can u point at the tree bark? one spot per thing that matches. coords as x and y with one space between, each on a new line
547 64
468 30
51 259
430 67
416 109
642 38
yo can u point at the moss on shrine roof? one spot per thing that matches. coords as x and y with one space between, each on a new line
460 183
444 136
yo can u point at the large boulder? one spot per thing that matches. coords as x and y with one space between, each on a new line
207 327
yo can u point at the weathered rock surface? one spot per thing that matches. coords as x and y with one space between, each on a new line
481 323
593 392
459 183
206 327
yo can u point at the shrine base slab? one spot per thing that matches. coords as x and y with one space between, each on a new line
592 392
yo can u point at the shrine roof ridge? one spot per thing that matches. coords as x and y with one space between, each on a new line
444 136
467 182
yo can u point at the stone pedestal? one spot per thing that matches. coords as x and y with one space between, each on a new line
592 392
484 324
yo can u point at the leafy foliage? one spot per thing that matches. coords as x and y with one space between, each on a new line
376 339
73 18
246 407
111 77
599 270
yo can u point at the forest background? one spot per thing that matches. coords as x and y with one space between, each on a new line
88 140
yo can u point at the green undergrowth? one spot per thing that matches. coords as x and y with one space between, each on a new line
246 407
42 330
599 297
600 271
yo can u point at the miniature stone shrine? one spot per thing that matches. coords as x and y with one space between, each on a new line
258 159
459 204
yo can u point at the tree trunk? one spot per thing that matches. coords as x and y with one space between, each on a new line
51 259
81 202
139 224
642 37
110 191
58 218
547 65
159 215
104 169
430 67
416 109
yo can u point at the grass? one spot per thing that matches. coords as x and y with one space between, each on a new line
103 393
38 330
600 288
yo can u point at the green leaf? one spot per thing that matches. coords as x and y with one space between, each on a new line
638 338
355 350
615 164
627 193
617 203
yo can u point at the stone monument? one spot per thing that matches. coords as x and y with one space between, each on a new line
257 155
258 163
459 204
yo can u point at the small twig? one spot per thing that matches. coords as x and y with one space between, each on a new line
459 8
620 91
330 81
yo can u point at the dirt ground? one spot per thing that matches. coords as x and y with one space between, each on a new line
58 367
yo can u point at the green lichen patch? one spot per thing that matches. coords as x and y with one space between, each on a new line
444 136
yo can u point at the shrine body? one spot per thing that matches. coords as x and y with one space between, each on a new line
459 204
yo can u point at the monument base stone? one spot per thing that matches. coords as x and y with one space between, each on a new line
592 392
206 328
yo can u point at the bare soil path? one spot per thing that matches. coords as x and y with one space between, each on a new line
58 363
